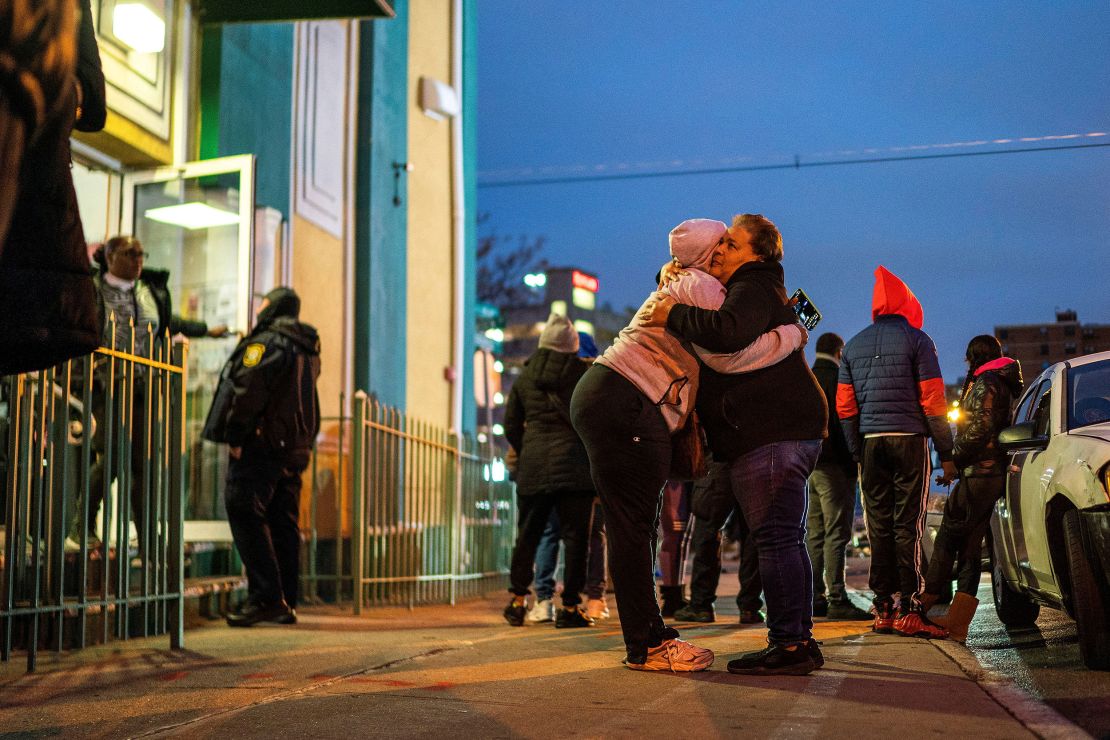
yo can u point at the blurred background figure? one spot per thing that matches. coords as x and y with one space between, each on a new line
553 472
46 292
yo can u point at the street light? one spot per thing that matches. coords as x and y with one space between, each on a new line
535 279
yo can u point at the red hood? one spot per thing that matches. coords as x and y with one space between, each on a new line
892 296
998 364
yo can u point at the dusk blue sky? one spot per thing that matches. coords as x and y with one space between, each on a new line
651 85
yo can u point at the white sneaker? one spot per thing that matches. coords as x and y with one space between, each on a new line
541 611
674 656
597 609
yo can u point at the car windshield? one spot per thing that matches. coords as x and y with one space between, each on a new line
1089 394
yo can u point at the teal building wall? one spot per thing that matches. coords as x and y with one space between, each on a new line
247 102
381 260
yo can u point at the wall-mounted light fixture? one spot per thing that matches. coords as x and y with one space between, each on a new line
438 99
136 25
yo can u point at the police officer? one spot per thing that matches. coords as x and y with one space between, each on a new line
266 408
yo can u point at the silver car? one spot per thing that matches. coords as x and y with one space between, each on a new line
1051 529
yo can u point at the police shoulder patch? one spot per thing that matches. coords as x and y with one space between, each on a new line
253 354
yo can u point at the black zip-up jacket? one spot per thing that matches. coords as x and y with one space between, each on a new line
157 281
267 393
779 403
984 412
551 455
835 450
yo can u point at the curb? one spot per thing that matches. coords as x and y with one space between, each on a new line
1037 717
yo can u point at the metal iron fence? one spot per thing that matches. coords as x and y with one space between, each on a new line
107 427
412 514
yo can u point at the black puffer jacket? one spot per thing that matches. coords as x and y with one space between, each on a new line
552 457
267 397
985 411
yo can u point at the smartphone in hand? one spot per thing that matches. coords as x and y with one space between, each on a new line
808 314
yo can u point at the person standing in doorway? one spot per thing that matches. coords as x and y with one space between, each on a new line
267 411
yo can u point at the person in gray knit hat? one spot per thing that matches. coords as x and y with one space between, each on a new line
626 408
553 472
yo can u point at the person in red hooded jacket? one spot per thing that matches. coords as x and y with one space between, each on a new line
890 399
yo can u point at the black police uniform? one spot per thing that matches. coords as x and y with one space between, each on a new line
267 404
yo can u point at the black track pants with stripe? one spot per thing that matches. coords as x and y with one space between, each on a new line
894 483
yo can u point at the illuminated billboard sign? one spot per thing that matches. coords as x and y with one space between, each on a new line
584 281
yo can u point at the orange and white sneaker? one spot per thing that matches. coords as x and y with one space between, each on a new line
675 655
915 624
597 609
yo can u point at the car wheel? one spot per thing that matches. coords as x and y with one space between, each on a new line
1087 600
1014 608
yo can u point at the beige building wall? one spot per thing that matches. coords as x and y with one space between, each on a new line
318 266
430 250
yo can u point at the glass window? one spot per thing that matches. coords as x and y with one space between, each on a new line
1069 348
1069 331
1023 411
1089 394
1003 333
1042 416
1044 349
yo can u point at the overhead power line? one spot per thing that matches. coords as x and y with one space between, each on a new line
797 164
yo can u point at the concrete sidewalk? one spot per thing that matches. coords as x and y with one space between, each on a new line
461 671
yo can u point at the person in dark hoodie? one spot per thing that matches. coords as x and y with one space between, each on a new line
993 382
890 399
267 411
553 471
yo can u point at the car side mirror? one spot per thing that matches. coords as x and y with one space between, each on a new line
1021 437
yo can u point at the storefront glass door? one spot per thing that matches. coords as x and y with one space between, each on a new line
196 221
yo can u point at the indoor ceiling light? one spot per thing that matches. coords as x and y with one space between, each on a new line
192 216
139 27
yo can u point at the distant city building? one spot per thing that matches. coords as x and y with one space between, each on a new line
570 292
507 338
1037 346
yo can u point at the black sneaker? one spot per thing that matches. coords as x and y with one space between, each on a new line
691 613
251 613
568 619
775 660
288 618
846 611
514 614
751 616
814 649
821 608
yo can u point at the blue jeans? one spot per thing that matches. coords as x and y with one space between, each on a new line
770 487
547 558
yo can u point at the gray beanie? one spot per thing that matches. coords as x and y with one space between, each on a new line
559 335
693 240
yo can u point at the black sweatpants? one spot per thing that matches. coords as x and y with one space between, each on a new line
894 481
967 514
533 512
629 446
263 500
713 505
